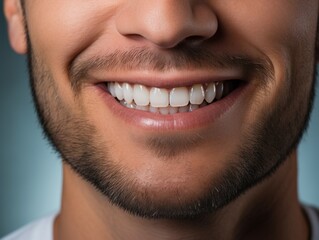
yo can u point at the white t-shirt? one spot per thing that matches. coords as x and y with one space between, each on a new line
38 230
313 217
43 229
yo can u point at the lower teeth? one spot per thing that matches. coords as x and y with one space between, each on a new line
164 110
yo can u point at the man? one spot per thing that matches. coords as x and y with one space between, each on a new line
174 119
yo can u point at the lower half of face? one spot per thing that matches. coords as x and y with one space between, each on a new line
178 160
167 173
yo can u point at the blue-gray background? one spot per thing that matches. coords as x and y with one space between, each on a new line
30 172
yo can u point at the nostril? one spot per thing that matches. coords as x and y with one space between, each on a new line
194 40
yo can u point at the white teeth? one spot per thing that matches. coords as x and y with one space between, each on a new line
118 91
173 110
159 97
196 94
164 101
128 105
143 108
183 109
219 90
210 93
127 92
153 109
193 107
164 110
141 95
111 89
179 97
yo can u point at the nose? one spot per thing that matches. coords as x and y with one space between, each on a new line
167 23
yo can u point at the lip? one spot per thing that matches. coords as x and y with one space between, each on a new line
198 119
171 79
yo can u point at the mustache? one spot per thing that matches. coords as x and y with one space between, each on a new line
179 58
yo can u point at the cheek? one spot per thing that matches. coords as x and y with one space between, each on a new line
269 25
284 31
64 32
66 27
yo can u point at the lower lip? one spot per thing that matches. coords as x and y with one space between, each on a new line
198 119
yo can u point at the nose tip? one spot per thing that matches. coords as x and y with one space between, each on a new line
167 23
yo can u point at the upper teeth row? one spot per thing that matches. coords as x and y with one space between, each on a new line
161 97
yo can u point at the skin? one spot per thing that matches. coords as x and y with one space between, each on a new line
281 32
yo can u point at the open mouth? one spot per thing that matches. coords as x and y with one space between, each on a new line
170 101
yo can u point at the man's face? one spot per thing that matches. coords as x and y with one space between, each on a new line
185 163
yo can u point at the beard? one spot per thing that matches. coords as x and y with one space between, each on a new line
267 144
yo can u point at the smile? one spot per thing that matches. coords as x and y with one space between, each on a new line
170 101
179 102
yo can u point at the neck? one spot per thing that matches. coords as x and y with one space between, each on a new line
270 210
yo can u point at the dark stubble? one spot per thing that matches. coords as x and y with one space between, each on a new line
267 145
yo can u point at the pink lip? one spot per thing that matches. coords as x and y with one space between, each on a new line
169 79
197 119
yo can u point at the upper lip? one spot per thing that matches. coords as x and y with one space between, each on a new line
170 79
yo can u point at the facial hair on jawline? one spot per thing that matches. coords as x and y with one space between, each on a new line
76 141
